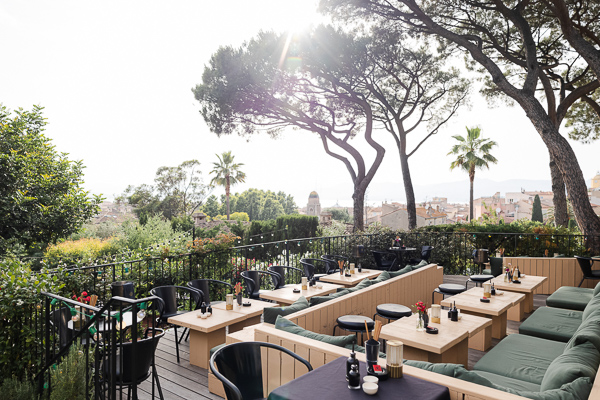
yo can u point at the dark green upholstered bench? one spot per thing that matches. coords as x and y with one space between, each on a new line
572 298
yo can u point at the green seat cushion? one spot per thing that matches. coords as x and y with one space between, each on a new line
289 326
506 382
384 276
487 271
402 271
576 362
322 299
552 324
577 390
270 313
596 290
572 298
521 357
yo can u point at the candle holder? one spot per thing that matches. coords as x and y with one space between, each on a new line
395 355
229 301
304 282
436 313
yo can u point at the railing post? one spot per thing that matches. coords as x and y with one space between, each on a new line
287 247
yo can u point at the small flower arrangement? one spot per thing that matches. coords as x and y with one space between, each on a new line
420 307
237 288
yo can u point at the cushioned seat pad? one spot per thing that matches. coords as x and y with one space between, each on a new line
512 383
481 278
393 310
572 298
451 288
552 323
355 322
521 357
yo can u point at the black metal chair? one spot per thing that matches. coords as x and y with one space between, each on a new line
332 260
204 285
283 272
425 254
130 371
252 281
239 367
59 319
447 289
314 268
585 263
383 259
170 301
495 267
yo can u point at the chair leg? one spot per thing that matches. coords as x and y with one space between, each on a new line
160 393
580 283
334 330
185 330
176 344
188 335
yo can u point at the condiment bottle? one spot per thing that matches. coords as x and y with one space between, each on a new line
350 362
203 308
354 378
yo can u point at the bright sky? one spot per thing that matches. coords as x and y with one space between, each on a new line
115 79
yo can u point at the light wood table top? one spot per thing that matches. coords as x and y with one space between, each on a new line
255 309
287 296
469 301
473 323
219 319
528 283
355 279
405 330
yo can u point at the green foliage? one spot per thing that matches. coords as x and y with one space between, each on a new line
41 198
20 295
536 210
15 389
227 173
136 236
103 230
340 215
69 377
211 206
82 251
236 216
176 192
183 223
299 226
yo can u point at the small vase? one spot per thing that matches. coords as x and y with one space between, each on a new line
239 298
420 325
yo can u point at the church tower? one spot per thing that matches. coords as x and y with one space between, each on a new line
314 205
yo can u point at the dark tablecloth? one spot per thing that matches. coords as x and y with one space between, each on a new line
328 382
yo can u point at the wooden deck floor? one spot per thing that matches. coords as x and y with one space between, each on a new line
185 381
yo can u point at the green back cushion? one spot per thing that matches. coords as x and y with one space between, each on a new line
384 276
289 326
363 284
576 362
402 271
593 307
588 331
361 349
597 289
322 299
271 313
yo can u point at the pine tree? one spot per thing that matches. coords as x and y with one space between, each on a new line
536 211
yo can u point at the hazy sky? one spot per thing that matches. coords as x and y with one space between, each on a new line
115 78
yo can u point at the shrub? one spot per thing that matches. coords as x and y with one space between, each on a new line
69 377
80 252
20 295
15 389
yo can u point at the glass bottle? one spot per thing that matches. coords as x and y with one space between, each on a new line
354 378
350 362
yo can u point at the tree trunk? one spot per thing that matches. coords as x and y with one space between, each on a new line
359 205
411 208
227 194
471 180
564 156
561 214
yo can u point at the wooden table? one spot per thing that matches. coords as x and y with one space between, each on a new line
252 313
355 279
450 345
527 286
287 296
497 308
480 329
210 332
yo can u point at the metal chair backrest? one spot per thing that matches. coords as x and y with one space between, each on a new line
585 263
252 279
311 266
204 286
283 272
239 367
59 319
169 299
426 252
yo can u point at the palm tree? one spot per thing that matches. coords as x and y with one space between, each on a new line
472 153
227 174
